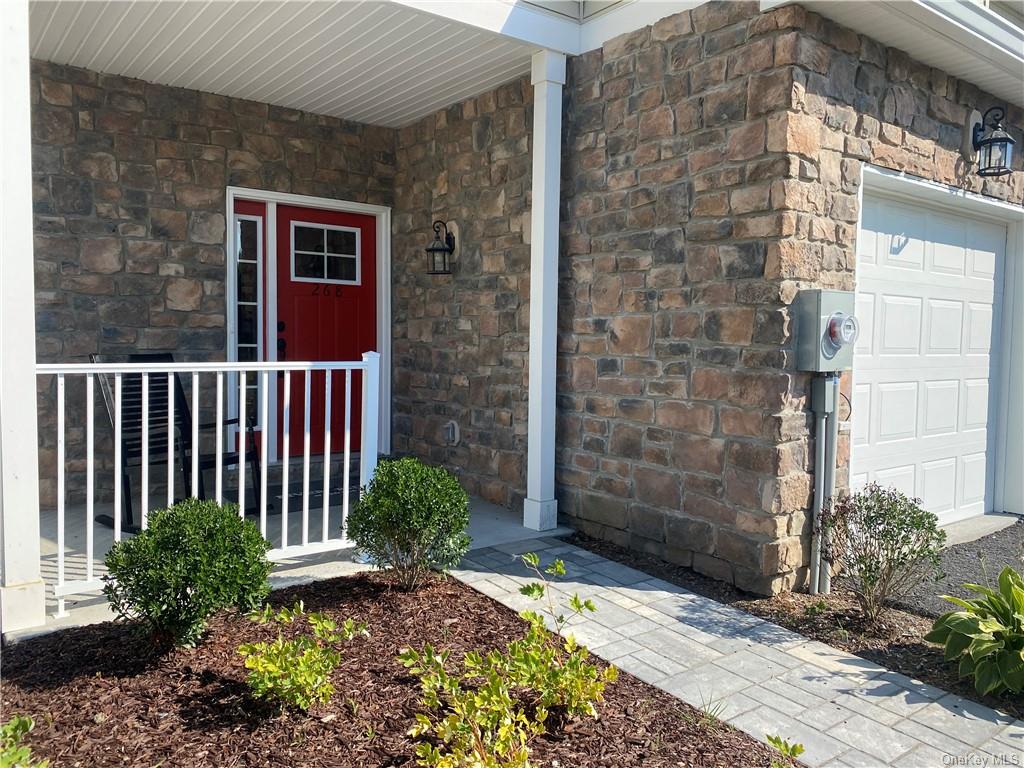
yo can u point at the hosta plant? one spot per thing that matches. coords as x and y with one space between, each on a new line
297 672
986 637
485 714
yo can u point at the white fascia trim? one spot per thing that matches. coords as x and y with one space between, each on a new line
507 18
547 30
901 184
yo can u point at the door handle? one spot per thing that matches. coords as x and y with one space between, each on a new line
282 347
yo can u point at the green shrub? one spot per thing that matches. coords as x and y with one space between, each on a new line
486 715
885 542
12 753
412 517
194 559
297 672
986 638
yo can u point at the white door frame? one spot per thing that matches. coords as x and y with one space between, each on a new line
1006 409
382 215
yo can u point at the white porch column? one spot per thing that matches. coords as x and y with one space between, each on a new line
540 510
22 598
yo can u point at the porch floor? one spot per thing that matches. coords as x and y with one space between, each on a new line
489 526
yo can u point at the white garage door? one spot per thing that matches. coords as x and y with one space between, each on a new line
929 285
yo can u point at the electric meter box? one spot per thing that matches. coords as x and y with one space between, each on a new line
826 330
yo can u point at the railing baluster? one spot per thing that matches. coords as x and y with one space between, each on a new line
118 479
286 417
170 439
264 431
327 452
195 435
219 448
305 459
145 451
242 444
60 490
347 465
90 469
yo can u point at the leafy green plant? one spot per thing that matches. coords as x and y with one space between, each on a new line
412 518
486 715
297 672
13 754
789 750
816 608
194 559
885 542
986 637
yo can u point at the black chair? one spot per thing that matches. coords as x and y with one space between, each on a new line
131 432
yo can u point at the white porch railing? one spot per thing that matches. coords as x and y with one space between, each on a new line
133 389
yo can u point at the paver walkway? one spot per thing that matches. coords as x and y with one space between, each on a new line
848 712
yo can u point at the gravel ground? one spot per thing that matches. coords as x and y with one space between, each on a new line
977 562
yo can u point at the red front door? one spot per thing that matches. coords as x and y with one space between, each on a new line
326 310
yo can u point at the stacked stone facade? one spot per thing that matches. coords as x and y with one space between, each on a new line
129 194
460 342
713 166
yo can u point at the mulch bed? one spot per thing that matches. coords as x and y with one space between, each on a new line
895 641
101 697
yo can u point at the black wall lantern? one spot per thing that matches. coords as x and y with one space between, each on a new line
986 140
439 250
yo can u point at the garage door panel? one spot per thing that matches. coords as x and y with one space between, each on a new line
928 299
901 478
975 414
945 326
938 485
896 415
941 407
948 244
979 329
901 325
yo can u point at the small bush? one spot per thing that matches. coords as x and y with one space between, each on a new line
193 560
297 672
412 517
12 753
486 715
885 543
986 638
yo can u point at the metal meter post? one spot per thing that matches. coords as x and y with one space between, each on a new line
826 331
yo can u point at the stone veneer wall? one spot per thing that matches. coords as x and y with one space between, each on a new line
460 342
713 164
129 194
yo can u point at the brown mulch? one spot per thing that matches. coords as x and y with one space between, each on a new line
101 697
895 641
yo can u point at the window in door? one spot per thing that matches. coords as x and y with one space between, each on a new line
324 253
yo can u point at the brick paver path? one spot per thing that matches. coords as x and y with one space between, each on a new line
763 679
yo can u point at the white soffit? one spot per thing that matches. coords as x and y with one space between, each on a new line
959 37
380 63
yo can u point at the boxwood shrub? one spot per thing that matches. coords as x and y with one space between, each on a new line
412 518
194 559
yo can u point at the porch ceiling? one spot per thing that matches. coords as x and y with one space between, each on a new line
374 62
